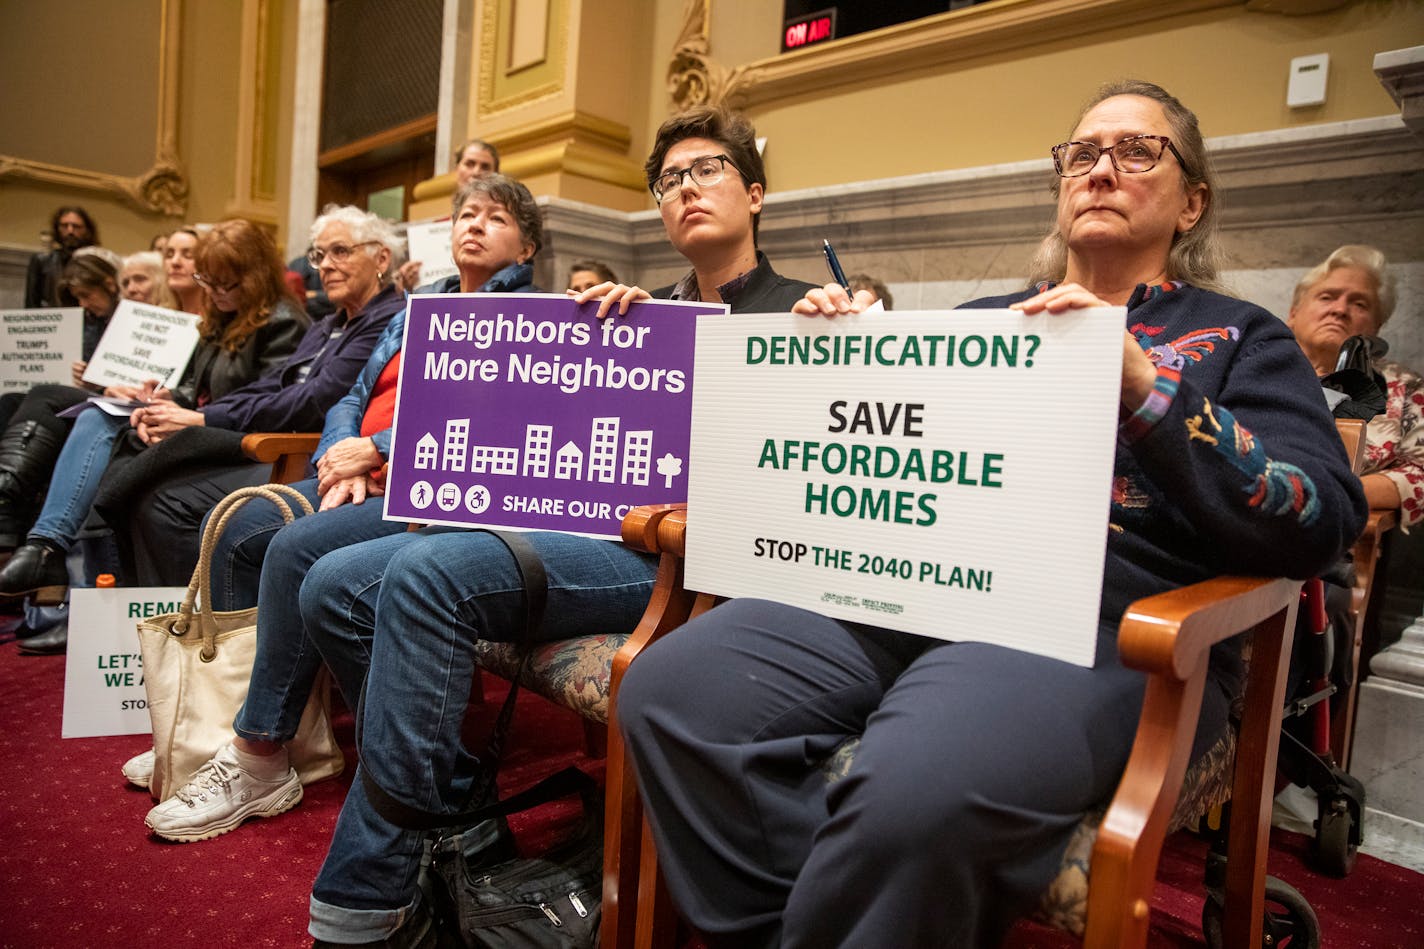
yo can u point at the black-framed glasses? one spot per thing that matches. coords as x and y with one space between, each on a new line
705 172
339 253
203 280
1133 155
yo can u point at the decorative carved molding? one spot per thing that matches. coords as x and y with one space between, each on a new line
162 188
694 78
491 63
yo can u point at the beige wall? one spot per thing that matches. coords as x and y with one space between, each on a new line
973 109
101 139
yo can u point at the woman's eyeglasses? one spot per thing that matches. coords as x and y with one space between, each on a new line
339 253
1132 155
203 280
705 172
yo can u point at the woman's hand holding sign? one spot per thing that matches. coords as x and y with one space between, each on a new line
608 294
1139 374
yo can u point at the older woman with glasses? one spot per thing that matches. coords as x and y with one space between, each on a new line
180 459
497 230
249 325
978 761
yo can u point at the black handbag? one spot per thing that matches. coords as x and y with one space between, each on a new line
477 890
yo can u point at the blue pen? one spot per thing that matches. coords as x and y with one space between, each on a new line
834 263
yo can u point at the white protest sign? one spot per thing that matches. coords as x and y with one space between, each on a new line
946 474
429 243
143 342
103 669
39 346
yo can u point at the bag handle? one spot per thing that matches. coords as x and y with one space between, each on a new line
536 595
202 573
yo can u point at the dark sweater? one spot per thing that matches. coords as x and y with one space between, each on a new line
1234 465
277 402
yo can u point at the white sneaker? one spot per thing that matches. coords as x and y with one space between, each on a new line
218 797
139 769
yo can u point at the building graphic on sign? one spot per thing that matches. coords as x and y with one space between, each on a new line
603 449
495 459
426 451
602 454
457 436
568 466
637 456
538 440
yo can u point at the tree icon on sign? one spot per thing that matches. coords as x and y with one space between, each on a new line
669 466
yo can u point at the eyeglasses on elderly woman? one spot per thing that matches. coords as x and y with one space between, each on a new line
339 253
1133 155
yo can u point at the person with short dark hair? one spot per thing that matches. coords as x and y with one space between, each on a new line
70 228
709 181
589 273
475 159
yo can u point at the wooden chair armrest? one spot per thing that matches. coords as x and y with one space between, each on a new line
1171 633
286 452
1169 636
640 526
269 446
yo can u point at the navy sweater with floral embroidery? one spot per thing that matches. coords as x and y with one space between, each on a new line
1233 465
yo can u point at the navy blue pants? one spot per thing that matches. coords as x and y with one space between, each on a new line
976 764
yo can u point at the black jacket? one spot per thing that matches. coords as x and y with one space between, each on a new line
766 292
215 371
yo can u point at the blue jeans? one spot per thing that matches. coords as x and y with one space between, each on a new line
419 602
259 561
77 475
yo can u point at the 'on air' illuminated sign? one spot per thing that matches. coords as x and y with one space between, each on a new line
812 28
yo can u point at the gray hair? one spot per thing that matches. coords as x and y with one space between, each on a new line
1362 257
147 259
514 197
363 225
1194 254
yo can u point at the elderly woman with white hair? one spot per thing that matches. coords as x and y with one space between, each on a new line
1352 293
180 460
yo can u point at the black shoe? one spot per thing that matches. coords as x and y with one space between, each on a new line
52 642
36 569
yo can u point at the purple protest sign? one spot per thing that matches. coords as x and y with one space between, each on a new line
524 411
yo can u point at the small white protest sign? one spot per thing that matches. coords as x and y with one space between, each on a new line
143 342
103 671
429 243
39 346
941 473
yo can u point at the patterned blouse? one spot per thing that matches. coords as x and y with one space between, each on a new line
1395 440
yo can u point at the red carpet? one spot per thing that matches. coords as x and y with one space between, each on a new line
78 870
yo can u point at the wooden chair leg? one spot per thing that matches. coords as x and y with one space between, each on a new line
1254 784
657 919
622 840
